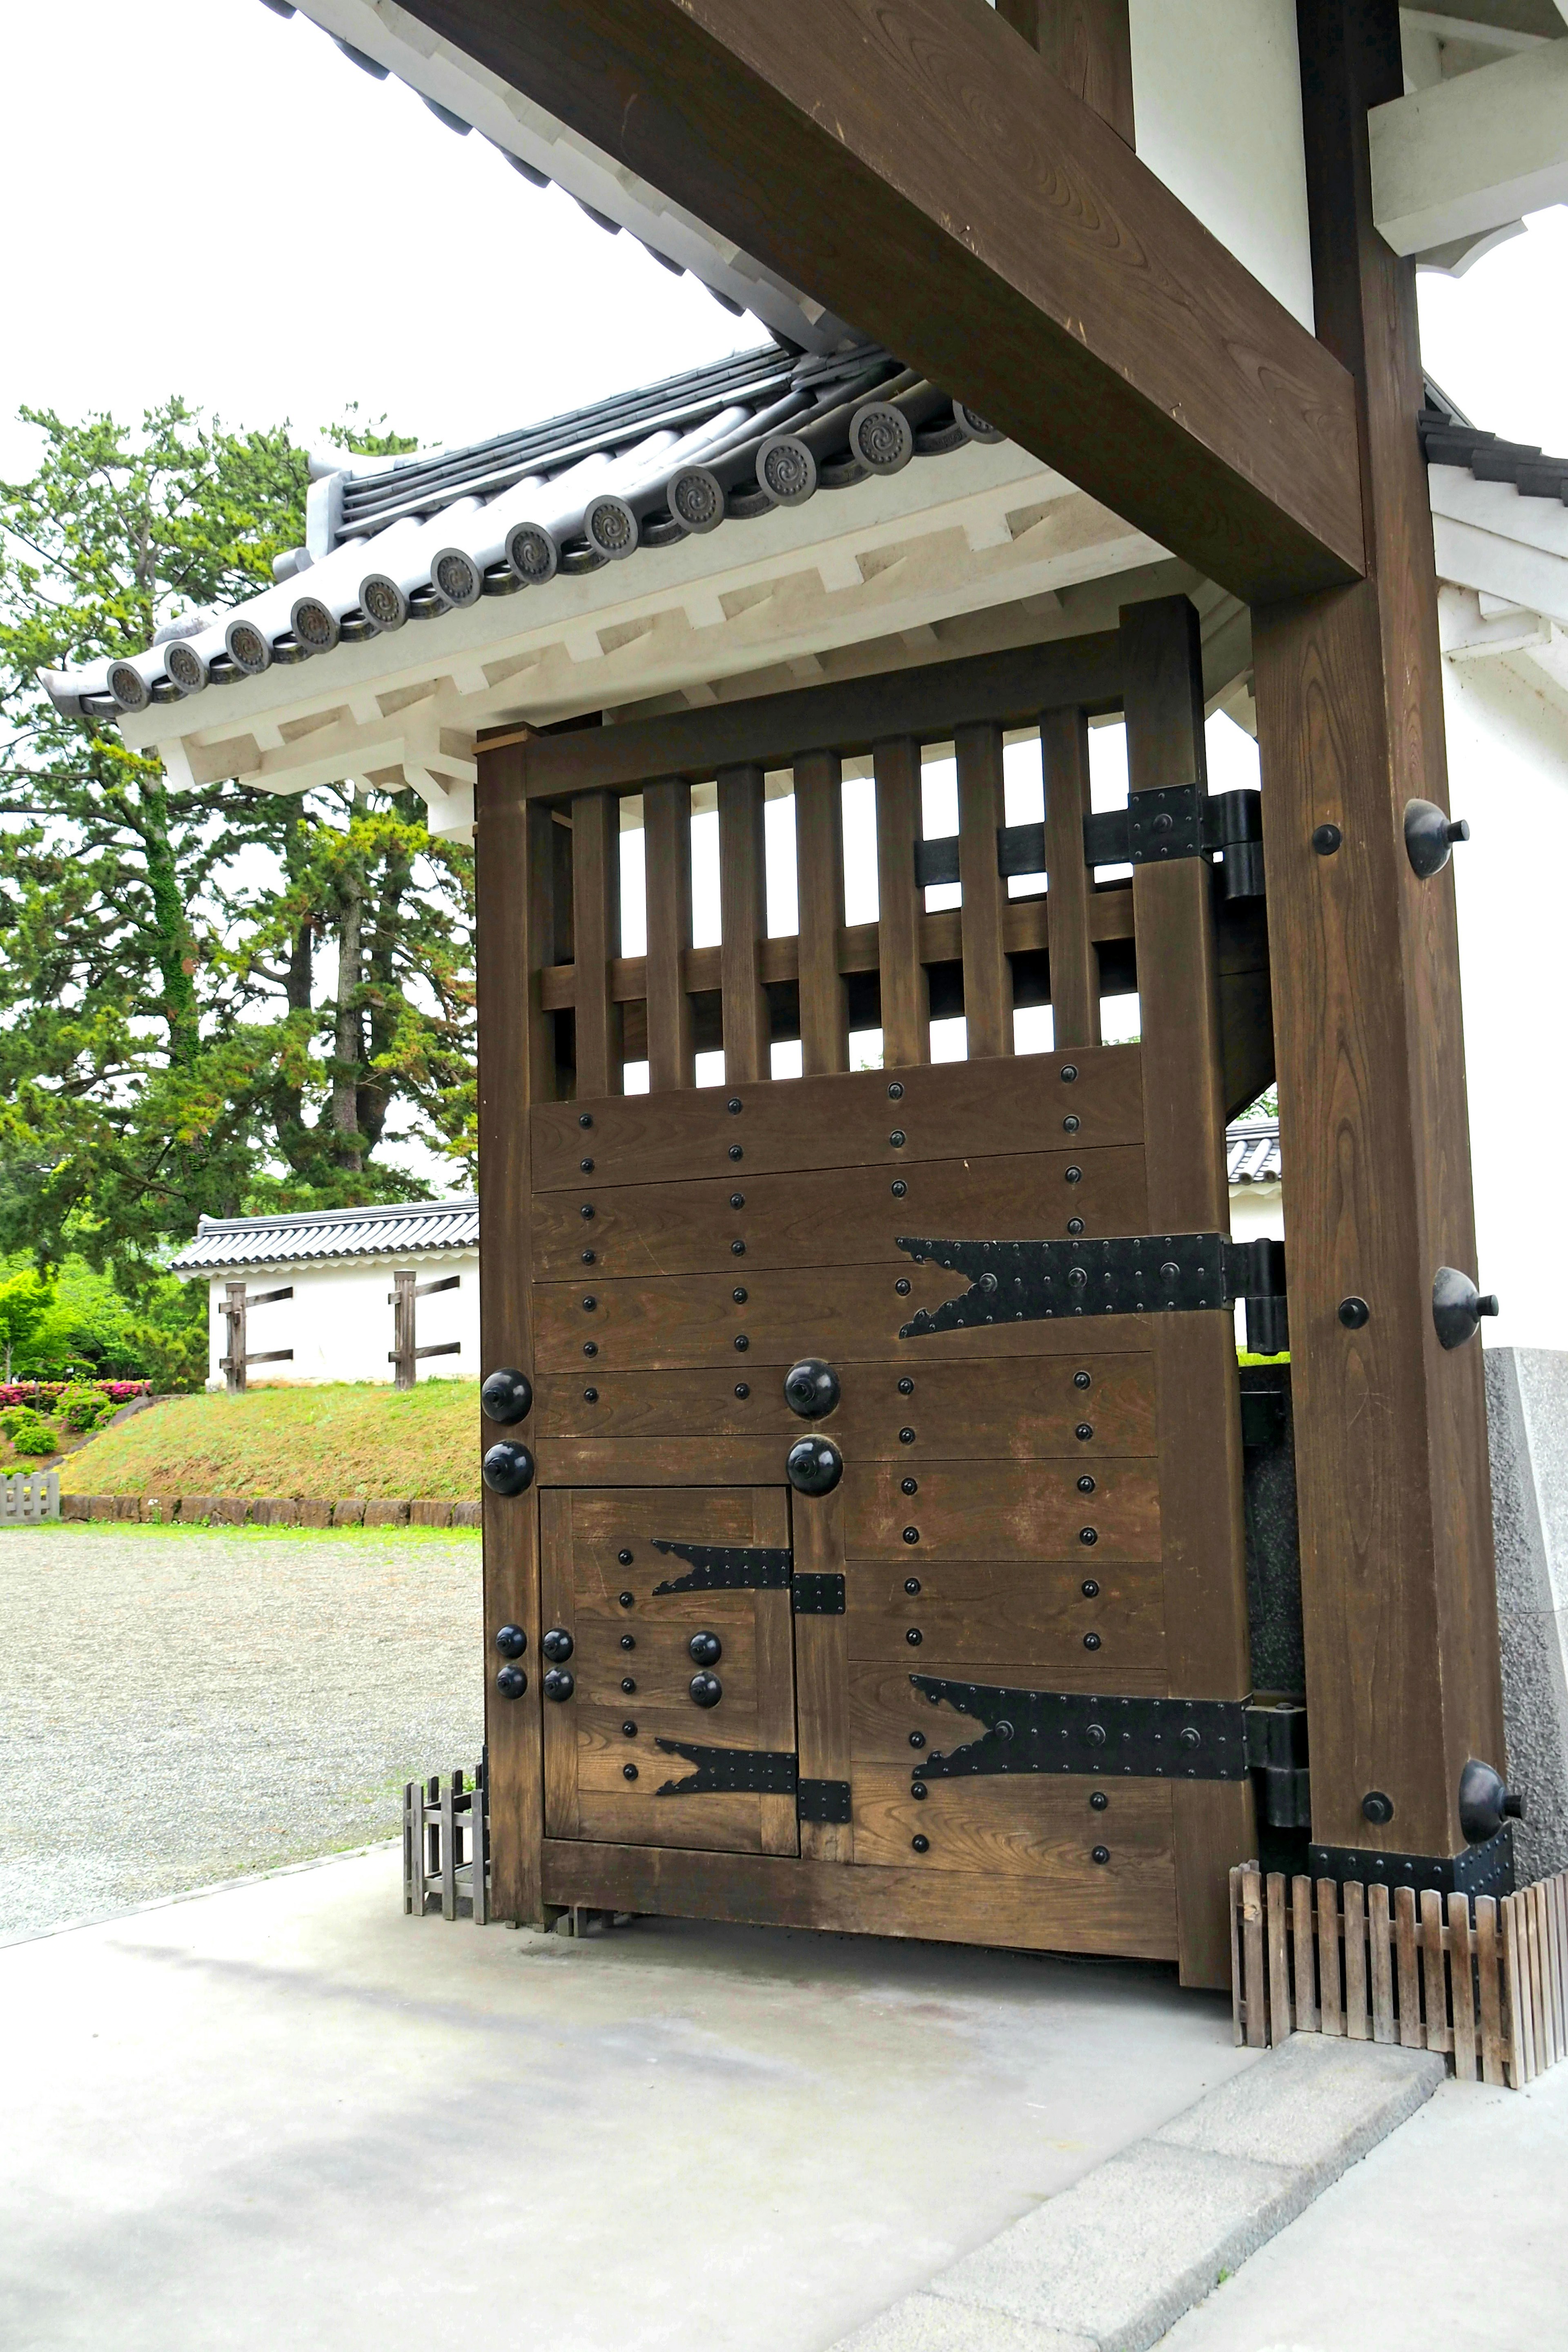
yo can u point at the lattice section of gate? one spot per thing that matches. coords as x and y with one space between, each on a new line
446 1847
1486 1983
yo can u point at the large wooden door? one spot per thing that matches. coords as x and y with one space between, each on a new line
958 1665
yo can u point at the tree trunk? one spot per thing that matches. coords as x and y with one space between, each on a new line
348 1028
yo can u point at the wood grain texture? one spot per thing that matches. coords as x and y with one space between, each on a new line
514 887
820 885
927 176
667 842
1018 1510
1462 1985
596 938
1088 45
1328 1969
1075 966
1398 1582
970 1614
743 922
822 1671
906 1004
982 812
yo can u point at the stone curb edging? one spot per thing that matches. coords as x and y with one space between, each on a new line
1113 2261
271 1511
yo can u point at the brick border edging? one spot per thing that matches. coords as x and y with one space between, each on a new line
271 1511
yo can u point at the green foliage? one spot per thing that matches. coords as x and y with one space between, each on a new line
170 1045
30 1435
82 1407
25 1298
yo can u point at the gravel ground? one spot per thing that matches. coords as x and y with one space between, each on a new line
176 1709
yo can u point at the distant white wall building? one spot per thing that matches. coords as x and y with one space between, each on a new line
339 1264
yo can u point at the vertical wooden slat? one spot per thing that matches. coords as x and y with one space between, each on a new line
774 1634
743 918
667 846
1433 1985
414 1847
447 1814
515 884
906 995
1552 1902
1202 1537
1278 1962
1516 1961
479 1845
819 890
1461 1985
1074 958
596 940
1237 1985
1252 1952
822 1671
1355 1962
1332 2010
1306 1966
987 974
1490 1970
1408 1967
1381 1963
1540 2020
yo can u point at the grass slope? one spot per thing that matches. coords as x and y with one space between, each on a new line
324 1442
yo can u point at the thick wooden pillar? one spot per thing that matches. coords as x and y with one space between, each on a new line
515 879
1398 1576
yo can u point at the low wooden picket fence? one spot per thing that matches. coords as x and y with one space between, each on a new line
1486 1983
27 1497
440 1822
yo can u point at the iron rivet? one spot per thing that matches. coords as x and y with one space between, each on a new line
906 1437
627 1685
1090 1589
741 1343
911 1535
743 1388
1069 1073
917 1739
1071 1124
589 1304
628 1771
1086 1486
585 1119
590 1347
900 1188
733 1106
919 1792
1101 1854
627 1600
590 1396
914 1637
897 1139
586 1166
1327 839
1190 1736
911 1485
1073 1176
1089 1535
737 1199
628 1640
630 1728
1377 1807
737 1249
590 1257
738 1297
920 1844
906 1386
736 1152
1091 1641
896 1091
912 1585
1080 1380
625 1558
901 1286
1085 1430
1354 1313
587 1210
1075 1224
1098 1801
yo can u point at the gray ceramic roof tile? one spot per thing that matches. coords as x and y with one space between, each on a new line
403 1229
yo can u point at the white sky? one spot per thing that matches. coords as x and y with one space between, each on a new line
205 198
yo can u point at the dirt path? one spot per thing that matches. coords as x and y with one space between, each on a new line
179 1709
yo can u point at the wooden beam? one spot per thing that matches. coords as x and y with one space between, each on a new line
1087 43
1397 1578
1474 153
923 173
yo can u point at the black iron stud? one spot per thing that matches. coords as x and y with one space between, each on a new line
628 1640
628 1771
589 1304
811 1388
630 1728
741 1343
1086 1486
901 1286
590 1347
705 1649
1072 1176
911 1535
906 1437
920 1844
585 1119
1089 1535
590 1257
626 1599
558 1685
911 1584
1071 1124
914 1637
910 1485
739 1296
1085 1431
1075 1224
1090 1588
1069 1073
896 1091
737 1199
736 1152
1098 1801
586 1166
508 1469
590 1396
917 1739
733 1106
1101 1853
1081 1380
507 1397
511 1641
587 1210
918 1790
706 1690
814 1465
743 1389
737 1249
906 1386
1327 839
624 1556
1430 833
627 1685
557 1645
1354 1313
1457 1306
511 1682
900 1188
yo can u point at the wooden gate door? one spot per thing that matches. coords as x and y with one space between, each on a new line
946 1634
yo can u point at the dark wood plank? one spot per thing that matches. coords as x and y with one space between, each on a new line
1034 267
954 1110
819 888
982 811
1184 1160
1380 1939
667 844
983 1412
1397 1573
1276 1912
906 1004
1075 966
1439 2034
970 1612
1017 1511
993 1829
822 1672
596 938
1305 1972
1089 46
743 921
514 887
840 1216
1111 1913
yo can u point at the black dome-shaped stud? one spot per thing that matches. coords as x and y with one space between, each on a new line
511 1641
814 1465
1430 833
558 1685
511 1682
1485 1801
705 1649
558 1645
1457 1306
811 1388
706 1690
507 1397
508 1469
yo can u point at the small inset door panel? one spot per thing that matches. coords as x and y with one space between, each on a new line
649 1673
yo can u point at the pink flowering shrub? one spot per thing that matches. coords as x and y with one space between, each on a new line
42 1395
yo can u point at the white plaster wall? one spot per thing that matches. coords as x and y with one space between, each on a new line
1255 1210
1216 95
338 1322
1507 773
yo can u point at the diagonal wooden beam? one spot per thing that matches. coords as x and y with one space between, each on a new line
919 167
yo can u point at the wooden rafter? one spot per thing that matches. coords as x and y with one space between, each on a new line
920 167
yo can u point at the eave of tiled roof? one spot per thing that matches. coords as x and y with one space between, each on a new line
310 1236
1252 1151
1448 438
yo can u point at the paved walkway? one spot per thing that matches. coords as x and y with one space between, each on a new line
284 2115
177 1709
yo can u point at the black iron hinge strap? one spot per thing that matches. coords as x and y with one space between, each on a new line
760 1773
1174 821
726 1568
1144 1273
